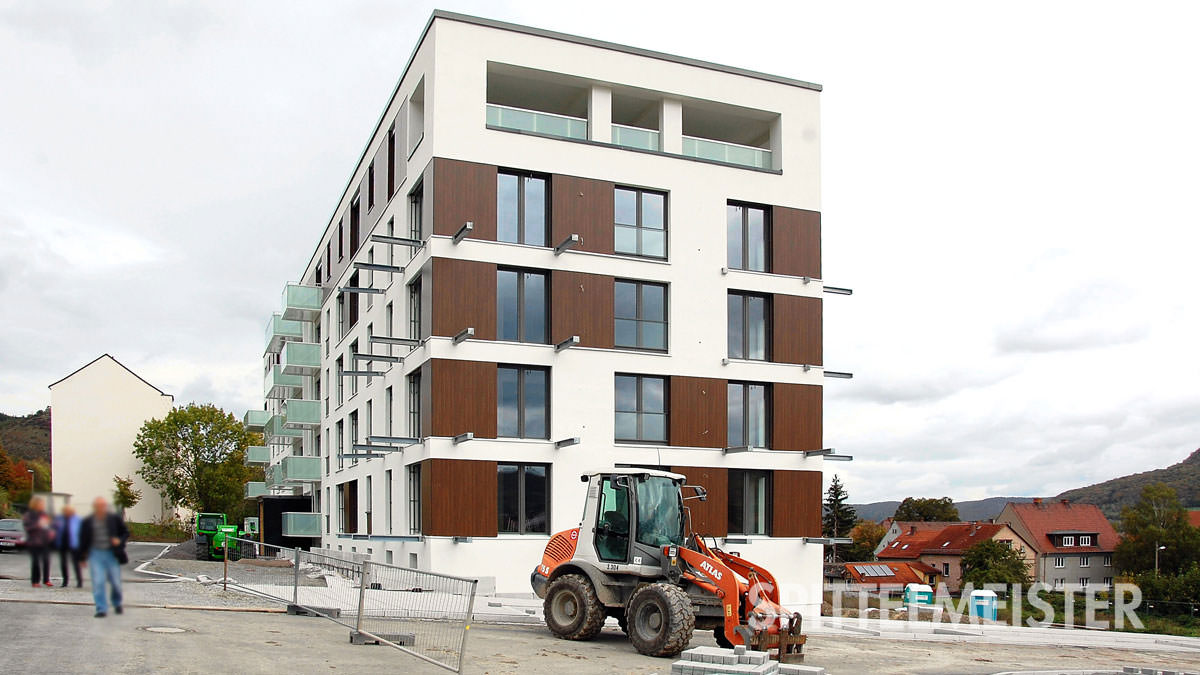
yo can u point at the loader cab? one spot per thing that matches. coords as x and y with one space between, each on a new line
636 515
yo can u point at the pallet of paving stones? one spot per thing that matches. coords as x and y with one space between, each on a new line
736 661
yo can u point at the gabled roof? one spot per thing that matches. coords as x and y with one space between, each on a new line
908 546
110 357
1043 519
890 573
952 539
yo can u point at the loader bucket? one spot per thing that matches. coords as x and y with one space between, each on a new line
784 640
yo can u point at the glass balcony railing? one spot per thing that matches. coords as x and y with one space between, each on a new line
634 137
276 433
255 419
730 153
301 525
537 122
255 489
301 303
301 414
272 476
257 454
301 358
280 330
300 469
278 385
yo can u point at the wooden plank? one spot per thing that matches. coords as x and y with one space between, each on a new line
699 415
796 242
463 295
582 206
463 398
796 511
709 518
796 330
462 192
581 304
461 498
796 412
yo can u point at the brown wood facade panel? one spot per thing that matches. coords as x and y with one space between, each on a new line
796 413
582 206
797 503
462 398
463 296
796 330
710 518
796 242
463 192
699 415
458 498
581 304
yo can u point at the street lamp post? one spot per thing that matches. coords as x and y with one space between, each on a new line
31 476
1157 548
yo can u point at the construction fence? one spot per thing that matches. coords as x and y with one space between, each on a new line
423 614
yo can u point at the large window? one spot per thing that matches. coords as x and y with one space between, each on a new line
341 379
521 311
641 222
341 443
387 491
523 402
749 324
747 230
349 506
368 500
748 405
524 498
352 303
414 405
355 221
353 435
641 408
521 213
641 315
414 499
416 202
414 310
749 501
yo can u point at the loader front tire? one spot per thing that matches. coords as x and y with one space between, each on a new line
660 620
572 610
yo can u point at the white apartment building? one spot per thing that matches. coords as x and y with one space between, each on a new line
554 255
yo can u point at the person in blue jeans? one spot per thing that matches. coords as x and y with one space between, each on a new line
102 538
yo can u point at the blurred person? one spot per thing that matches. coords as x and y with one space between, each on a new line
66 540
102 538
38 537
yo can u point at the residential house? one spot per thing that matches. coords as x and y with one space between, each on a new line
944 548
893 576
1073 543
895 528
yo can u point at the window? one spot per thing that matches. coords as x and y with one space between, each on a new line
1083 582
353 435
371 186
414 499
348 497
329 323
391 256
354 366
328 452
521 311
1058 584
328 507
387 491
388 412
371 276
329 256
521 209
416 117
1108 581
747 232
524 498
341 499
640 222
391 160
748 405
340 364
341 315
749 501
389 320
341 239
414 405
355 221
523 396
1108 560
945 569
352 301
414 310
612 521
1085 561
416 200
641 408
319 277
641 315
369 498
1085 540
1060 562
749 322
1068 541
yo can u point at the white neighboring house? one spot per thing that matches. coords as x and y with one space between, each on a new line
95 415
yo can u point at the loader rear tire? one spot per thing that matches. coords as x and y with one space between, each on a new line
660 619
572 610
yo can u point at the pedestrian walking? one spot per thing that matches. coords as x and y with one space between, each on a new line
38 536
66 540
102 538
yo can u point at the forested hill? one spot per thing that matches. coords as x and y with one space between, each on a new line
26 436
1113 495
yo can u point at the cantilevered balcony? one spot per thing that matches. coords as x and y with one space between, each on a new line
276 433
301 303
728 153
301 358
278 385
300 469
255 419
273 476
257 455
301 524
301 414
255 489
280 330
550 124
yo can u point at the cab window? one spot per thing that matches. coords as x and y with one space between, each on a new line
612 522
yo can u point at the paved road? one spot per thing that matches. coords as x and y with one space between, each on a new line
15 565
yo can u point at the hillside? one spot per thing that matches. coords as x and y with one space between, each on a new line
26 436
1113 495
978 509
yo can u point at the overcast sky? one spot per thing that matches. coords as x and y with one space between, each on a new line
1009 189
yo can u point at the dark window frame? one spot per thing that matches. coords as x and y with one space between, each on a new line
743 264
639 227
745 412
371 186
768 327
414 405
640 411
639 318
747 507
521 396
341 239
521 273
355 223
414 310
416 211
521 177
414 499
391 160
522 502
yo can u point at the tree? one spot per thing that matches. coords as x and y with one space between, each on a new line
839 517
194 455
991 562
125 496
1157 519
927 509
866 536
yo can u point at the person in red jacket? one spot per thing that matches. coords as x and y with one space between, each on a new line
38 535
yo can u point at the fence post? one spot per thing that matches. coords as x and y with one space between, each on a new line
362 594
225 576
462 650
296 577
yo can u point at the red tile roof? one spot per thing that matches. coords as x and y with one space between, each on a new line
953 539
1194 517
1045 517
902 573
908 545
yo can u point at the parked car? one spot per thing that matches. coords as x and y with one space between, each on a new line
12 534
